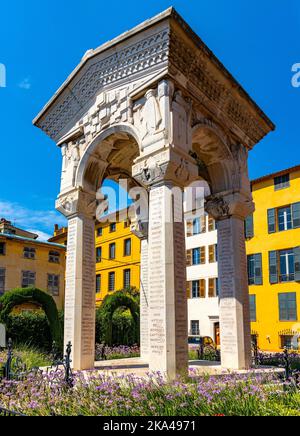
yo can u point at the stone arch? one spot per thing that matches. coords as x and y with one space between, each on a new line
100 159
211 149
111 304
17 297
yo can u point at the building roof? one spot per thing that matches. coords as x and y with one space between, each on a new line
277 174
31 241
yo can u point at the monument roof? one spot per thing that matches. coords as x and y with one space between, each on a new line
168 15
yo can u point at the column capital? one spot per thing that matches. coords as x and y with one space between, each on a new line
139 229
222 207
77 202
169 165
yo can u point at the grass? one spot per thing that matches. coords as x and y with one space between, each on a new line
30 356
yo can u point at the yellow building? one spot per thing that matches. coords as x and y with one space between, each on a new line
26 261
118 254
273 249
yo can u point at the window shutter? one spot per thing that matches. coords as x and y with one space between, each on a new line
297 263
202 288
273 267
272 220
296 215
249 227
258 269
189 256
203 257
189 228
211 224
188 289
203 224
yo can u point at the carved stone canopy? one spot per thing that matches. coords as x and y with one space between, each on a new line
109 79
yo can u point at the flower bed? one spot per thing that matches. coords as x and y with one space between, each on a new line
132 396
117 352
277 359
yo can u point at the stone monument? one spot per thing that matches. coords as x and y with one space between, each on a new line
156 106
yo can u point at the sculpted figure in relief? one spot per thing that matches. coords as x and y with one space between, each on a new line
151 115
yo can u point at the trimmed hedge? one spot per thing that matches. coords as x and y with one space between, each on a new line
35 296
118 319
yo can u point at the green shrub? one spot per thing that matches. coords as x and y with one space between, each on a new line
32 295
117 320
31 329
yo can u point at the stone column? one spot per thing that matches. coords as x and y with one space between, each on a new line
140 229
166 174
230 212
168 329
80 307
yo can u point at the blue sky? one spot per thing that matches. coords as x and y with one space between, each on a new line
42 42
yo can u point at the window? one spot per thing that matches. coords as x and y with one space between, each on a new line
112 251
2 248
127 247
213 253
111 281
54 256
285 219
113 228
28 279
199 225
99 254
53 284
287 307
29 253
213 288
198 289
2 281
282 182
127 278
195 328
284 265
196 256
211 224
287 342
127 223
99 231
252 308
287 268
255 269
98 283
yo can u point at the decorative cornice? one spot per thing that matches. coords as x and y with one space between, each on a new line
143 55
162 47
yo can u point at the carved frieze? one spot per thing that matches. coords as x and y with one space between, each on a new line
143 55
194 65
165 166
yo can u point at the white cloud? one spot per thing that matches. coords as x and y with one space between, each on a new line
41 220
25 84
42 235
